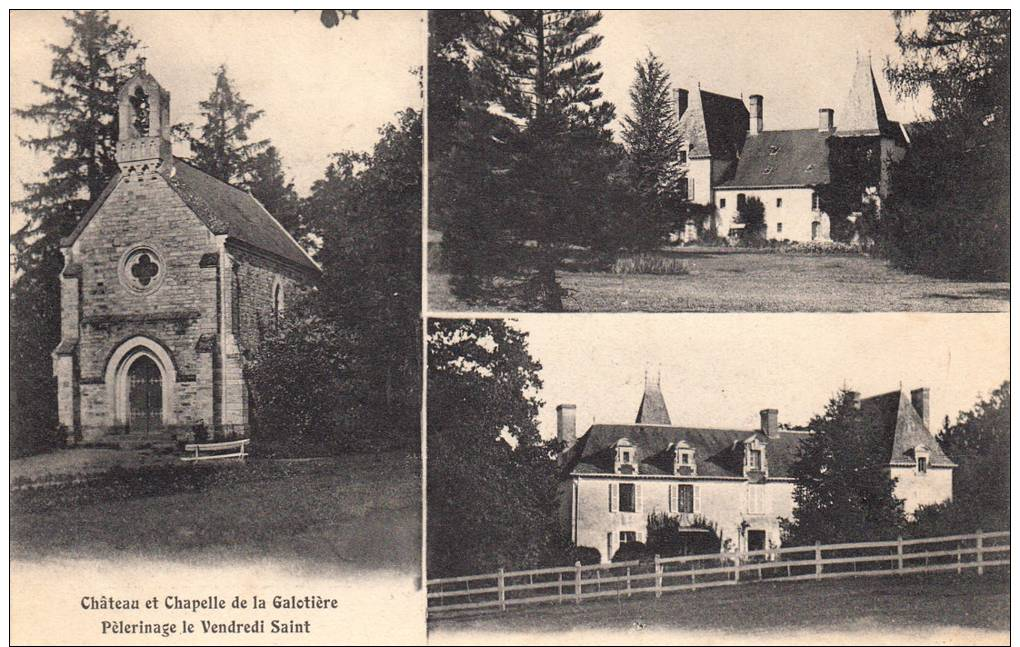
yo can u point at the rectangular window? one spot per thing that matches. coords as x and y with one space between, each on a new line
627 536
756 499
683 157
685 498
685 459
722 203
779 227
815 202
741 201
755 459
922 465
627 498
626 457
779 202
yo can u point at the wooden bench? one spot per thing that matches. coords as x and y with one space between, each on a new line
227 449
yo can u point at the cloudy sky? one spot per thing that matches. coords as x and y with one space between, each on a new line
799 61
322 90
721 370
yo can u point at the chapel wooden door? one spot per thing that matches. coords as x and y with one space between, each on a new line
145 396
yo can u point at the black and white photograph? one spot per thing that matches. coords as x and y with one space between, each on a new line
723 478
719 161
215 318
438 325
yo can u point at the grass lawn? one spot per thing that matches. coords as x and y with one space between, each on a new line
909 605
736 280
357 511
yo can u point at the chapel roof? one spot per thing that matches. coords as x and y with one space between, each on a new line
713 124
224 209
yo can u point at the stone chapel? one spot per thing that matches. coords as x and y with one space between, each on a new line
168 280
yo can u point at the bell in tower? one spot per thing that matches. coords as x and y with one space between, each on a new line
143 143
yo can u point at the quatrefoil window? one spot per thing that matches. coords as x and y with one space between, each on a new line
142 270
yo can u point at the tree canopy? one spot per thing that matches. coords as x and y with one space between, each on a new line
491 478
842 490
79 111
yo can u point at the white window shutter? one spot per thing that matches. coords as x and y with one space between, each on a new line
614 497
638 504
671 494
697 498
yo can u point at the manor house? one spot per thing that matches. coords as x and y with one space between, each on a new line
616 475
730 157
168 280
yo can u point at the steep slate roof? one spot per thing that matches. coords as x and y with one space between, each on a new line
714 125
782 158
717 452
224 209
231 211
903 428
653 406
863 112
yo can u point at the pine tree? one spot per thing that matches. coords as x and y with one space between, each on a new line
269 185
842 489
652 132
535 66
80 113
222 148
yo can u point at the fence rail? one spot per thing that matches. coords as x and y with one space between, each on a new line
504 589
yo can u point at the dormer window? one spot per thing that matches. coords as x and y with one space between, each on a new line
755 460
922 457
683 459
626 457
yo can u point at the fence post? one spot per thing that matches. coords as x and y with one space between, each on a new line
628 581
577 582
736 567
959 557
980 555
502 590
899 553
658 578
560 600
818 559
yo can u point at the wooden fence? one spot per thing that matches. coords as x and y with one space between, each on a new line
574 584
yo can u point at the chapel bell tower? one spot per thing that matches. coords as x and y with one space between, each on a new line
143 142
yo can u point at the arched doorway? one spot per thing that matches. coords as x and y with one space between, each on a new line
145 396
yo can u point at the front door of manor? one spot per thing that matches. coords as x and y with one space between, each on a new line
145 396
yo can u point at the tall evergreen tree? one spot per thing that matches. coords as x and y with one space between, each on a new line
222 148
652 132
268 183
534 66
962 55
79 111
842 489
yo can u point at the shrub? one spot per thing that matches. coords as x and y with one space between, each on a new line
633 550
668 538
586 555
651 264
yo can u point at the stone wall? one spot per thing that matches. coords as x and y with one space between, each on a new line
724 502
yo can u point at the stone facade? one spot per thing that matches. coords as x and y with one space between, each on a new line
738 480
146 277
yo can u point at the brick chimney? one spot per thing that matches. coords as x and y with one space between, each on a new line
920 399
756 122
770 422
825 120
681 102
566 424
